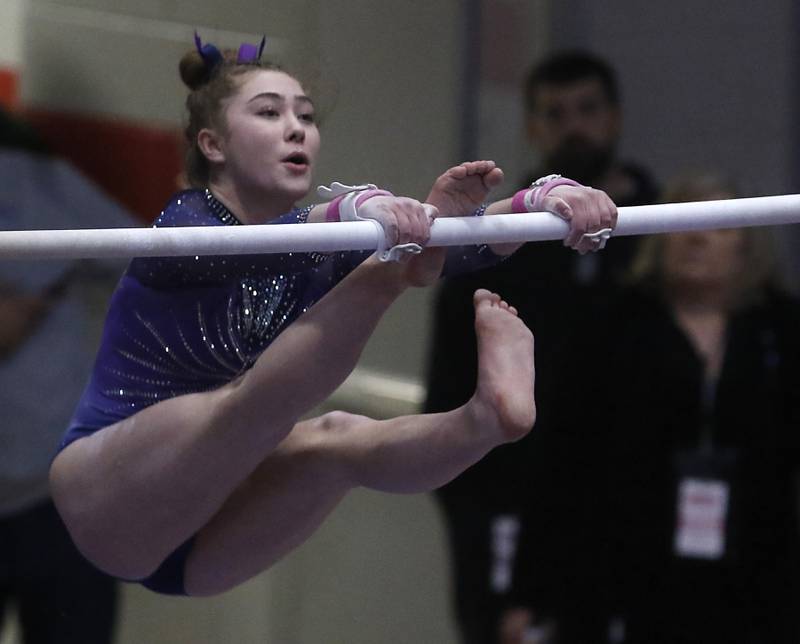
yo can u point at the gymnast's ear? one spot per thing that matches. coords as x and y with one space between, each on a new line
211 145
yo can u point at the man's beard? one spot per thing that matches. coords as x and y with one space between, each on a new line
581 160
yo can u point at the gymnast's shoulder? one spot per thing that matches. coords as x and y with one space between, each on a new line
191 207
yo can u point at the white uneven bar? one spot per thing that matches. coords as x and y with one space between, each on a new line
365 235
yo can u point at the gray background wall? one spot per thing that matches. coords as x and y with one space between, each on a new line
709 83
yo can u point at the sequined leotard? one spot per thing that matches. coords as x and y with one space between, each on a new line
191 324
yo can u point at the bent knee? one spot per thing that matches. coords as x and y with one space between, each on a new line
330 443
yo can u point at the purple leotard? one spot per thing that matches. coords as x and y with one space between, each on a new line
188 324
191 324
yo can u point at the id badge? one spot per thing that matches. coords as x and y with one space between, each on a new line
704 505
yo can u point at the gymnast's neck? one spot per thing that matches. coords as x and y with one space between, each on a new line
250 205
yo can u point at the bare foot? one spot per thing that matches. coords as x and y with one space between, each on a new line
463 188
503 401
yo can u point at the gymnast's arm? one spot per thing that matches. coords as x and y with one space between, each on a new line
463 189
399 217
585 209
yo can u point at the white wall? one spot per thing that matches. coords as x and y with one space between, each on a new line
513 33
11 23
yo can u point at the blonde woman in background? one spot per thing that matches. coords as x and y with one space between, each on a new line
684 488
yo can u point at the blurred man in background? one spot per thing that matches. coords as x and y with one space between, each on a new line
574 123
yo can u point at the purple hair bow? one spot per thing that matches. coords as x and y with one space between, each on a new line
210 54
248 53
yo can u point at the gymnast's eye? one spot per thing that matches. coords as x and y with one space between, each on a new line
269 112
307 117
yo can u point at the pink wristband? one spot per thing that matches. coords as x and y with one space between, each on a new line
369 194
333 214
543 191
530 199
518 201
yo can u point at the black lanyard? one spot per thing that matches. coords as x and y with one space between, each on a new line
708 399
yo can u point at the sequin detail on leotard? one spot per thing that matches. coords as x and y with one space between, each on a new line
190 324
209 348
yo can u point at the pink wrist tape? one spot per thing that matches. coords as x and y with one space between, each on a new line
530 199
518 201
333 214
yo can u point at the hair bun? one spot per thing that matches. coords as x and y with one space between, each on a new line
193 70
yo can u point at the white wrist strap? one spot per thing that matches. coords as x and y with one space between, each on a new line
336 189
349 212
599 237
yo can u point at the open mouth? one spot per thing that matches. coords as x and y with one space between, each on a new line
297 159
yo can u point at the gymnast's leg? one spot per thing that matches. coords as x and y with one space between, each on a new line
296 486
132 492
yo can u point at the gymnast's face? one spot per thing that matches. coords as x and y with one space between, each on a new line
271 141
703 259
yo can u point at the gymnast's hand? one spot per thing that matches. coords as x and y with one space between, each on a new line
586 210
457 192
404 220
407 221
461 190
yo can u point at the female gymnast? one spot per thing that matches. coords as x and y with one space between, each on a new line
187 466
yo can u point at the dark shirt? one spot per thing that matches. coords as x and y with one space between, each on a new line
556 292
599 529
554 289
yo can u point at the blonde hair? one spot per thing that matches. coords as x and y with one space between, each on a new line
758 248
